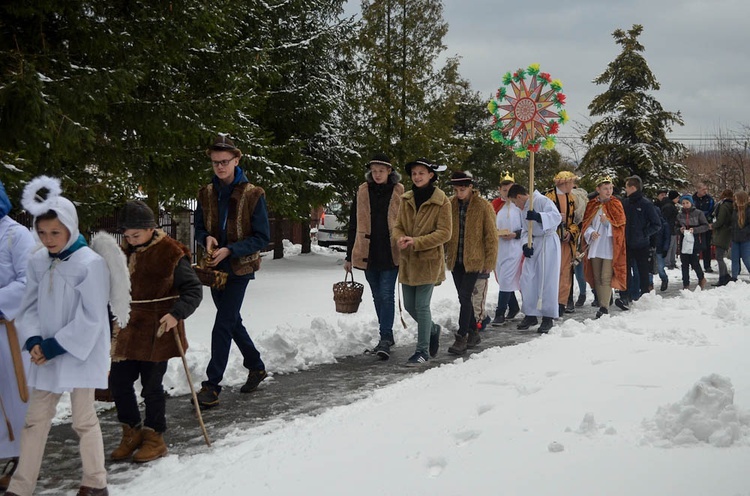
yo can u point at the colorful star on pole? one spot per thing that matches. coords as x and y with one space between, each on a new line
529 118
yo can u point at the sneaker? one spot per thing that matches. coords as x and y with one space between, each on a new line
417 359
581 300
512 313
622 304
383 349
664 285
527 322
600 312
434 340
546 325
208 396
484 324
254 377
498 320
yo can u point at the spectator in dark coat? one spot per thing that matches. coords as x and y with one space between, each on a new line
721 233
693 221
705 203
669 210
740 233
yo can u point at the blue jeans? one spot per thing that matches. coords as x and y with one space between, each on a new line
383 287
227 327
417 303
580 278
740 251
506 300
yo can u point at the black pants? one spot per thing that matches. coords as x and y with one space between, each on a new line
706 250
638 257
687 262
122 376
465 282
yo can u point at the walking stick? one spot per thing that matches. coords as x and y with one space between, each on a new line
162 329
15 354
11 437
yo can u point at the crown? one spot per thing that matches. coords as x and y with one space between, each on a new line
604 179
509 177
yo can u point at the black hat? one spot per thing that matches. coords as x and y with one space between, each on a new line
426 163
136 215
662 190
222 143
673 194
380 159
461 178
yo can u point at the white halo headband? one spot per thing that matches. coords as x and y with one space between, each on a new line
33 202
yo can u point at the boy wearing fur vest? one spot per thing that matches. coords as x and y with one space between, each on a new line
371 247
471 251
165 290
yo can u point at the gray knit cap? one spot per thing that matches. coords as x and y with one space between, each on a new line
136 215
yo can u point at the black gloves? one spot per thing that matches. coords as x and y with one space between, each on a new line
534 215
528 251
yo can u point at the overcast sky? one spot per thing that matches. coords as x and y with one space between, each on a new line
699 51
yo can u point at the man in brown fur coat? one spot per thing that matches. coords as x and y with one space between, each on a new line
471 250
165 290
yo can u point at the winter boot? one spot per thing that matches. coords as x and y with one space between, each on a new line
570 307
702 283
434 340
132 438
562 310
581 300
600 312
664 285
512 312
546 325
89 491
254 377
473 339
527 322
459 347
383 349
498 320
153 446
208 396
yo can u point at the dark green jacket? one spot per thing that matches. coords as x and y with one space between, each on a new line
722 232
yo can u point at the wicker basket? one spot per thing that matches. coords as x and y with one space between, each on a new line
347 294
216 279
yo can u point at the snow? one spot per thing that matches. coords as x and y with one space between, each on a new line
649 402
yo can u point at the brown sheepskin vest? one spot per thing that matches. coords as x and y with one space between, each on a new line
151 270
361 250
242 204
480 236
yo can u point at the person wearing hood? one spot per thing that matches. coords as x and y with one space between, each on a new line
16 244
423 226
231 223
370 246
64 323
693 224
165 291
470 253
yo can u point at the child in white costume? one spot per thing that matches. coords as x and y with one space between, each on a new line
64 323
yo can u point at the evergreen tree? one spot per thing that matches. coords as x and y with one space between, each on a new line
631 138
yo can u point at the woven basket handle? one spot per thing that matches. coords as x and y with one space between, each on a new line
350 273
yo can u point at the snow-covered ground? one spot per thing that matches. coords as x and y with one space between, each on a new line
655 401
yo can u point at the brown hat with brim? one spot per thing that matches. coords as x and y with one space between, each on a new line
223 144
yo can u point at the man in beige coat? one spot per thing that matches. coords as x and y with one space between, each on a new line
471 251
422 227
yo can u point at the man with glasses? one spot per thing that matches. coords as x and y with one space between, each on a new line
231 223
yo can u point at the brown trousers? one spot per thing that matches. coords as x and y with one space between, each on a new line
566 273
602 269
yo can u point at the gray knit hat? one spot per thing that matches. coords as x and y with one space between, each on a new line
136 215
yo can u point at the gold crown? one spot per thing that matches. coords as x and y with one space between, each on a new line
509 177
604 179
564 176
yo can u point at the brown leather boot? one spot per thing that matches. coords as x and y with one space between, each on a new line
702 283
153 446
474 338
459 347
132 437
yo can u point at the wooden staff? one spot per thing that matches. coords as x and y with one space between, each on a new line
160 332
531 189
15 354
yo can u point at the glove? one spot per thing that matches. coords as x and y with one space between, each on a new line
528 251
534 215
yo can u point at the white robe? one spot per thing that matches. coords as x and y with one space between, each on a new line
508 267
67 300
16 244
540 275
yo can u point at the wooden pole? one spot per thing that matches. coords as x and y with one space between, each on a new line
531 189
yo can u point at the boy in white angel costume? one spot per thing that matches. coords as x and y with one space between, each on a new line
64 323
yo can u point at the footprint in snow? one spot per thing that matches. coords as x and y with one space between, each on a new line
436 465
484 409
465 437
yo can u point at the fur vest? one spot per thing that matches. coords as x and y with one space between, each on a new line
361 250
152 275
480 236
239 225
616 215
431 227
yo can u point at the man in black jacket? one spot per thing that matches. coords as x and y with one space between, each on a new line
669 210
642 222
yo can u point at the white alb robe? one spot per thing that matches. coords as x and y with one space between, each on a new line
67 300
508 267
16 244
540 275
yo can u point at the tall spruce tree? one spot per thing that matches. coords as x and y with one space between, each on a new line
631 137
